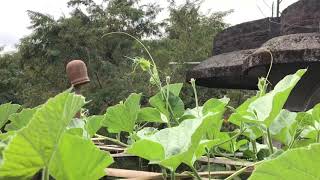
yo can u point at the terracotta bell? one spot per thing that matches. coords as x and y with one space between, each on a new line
77 73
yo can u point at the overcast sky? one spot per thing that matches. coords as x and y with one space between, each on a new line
14 19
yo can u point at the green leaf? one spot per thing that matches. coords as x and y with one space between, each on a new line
78 159
269 106
33 146
212 105
215 105
305 118
177 105
175 102
284 127
20 120
6 137
122 117
232 145
310 133
299 163
206 144
149 114
192 113
265 109
172 146
175 89
311 120
147 131
93 124
316 113
77 127
6 110
252 131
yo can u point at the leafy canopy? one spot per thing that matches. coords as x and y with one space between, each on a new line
45 141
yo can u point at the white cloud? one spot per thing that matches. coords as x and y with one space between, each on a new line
14 19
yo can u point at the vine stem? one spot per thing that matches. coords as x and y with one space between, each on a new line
233 137
318 136
241 171
45 174
193 83
195 172
127 34
172 176
269 140
112 140
164 172
164 96
209 165
254 147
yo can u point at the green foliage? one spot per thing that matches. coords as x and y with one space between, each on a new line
6 110
172 146
176 105
149 114
264 109
312 120
122 117
285 127
300 163
42 139
78 159
20 120
164 133
93 124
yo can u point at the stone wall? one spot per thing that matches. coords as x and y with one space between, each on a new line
247 35
301 17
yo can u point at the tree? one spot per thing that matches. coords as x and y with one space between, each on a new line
53 43
43 55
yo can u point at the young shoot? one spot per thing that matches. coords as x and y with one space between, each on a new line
193 84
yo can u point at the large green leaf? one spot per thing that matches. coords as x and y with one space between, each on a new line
77 127
265 109
147 131
175 89
211 106
78 159
176 104
122 117
215 106
299 163
252 131
312 121
93 124
20 120
6 110
172 146
284 127
33 146
150 114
